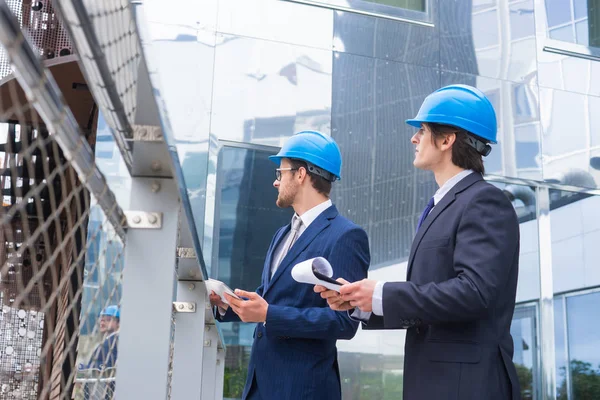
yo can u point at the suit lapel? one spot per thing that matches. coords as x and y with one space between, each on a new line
271 253
446 201
322 222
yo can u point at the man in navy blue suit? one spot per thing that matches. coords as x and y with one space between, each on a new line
457 303
294 353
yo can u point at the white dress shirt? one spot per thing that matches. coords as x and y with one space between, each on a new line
307 218
377 302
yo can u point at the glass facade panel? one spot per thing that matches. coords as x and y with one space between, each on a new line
524 333
574 21
578 346
247 218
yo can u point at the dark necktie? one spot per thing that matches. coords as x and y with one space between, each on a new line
425 213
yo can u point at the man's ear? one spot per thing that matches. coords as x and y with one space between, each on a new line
448 140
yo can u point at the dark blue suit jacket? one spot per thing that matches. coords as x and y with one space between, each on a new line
459 298
294 354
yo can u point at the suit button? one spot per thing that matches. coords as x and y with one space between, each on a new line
259 334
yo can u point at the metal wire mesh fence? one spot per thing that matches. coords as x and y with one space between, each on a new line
61 260
61 268
47 33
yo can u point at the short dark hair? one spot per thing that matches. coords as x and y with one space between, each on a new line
320 184
463 154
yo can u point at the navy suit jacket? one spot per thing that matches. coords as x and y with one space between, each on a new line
459 298
294 354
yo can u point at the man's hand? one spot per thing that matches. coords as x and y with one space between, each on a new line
334 299
215 300
252 310
359 294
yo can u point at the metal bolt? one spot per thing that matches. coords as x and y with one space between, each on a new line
191 286
143 132
136 219
156 166
152 219
180 306
155 187
207 328
191 306
207 343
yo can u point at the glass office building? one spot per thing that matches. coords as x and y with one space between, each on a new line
240 76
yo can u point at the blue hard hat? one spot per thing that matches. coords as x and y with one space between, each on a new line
111 311
461 106
315 148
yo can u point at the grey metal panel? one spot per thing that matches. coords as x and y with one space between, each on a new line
386 39
179 51
518 152
266 91
189 343
148 283
278 21
380 188
571 137
210 369
495 39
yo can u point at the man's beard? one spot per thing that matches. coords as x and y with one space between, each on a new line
285 198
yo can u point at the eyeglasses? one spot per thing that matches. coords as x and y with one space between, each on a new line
278 172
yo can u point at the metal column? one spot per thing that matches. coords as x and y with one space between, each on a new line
148 289
546 296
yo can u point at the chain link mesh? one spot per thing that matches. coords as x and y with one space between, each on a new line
61 265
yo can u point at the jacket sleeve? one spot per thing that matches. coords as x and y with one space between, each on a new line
350 260
487 242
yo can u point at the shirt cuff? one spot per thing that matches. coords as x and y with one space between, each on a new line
359 315
377 303
222 311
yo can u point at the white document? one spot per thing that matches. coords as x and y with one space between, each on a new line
219 288
316 271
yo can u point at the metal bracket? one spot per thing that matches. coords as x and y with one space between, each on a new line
186 252
144 220
184 307
147 133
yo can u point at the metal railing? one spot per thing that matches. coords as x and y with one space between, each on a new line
87 288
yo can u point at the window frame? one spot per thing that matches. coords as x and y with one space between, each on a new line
364 7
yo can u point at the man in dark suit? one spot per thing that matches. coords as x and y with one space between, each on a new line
457 303
294 353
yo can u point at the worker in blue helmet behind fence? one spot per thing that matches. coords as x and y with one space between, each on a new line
102 362
458 300
294 352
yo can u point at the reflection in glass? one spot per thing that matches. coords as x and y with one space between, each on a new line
417 5
578 346
574 21
575 231
247 219
523 331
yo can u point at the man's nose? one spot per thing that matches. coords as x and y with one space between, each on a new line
276 183
415 139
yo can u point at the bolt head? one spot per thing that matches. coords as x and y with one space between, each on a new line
180 306
136 219
152 219
191 286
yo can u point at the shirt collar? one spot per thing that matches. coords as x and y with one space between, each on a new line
309 216
450 183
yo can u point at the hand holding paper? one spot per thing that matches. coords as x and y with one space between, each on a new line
316 271
213 285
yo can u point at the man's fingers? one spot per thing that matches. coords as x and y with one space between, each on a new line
349 288
329 294
243 293
319 289
342 280
233 301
